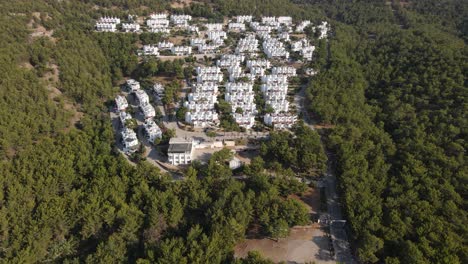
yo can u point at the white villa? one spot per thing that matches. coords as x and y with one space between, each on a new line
121 103
152 130
181 50
165 45
133 85
129 140
130 27
106 27
148 110
280 121
233 26
284 70
124 116
243 19
150 50
142 97
214 26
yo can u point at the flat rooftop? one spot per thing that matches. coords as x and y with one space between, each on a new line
179 146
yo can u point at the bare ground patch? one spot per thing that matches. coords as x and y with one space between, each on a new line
304 244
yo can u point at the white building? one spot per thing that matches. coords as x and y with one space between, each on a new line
280 121
165 45
141 96
197 41
257 71
181 20
300 28
129 140
274 48
152 130
284 70
124 116
158 16
243 19
208 48
279 106
269 20
157 22
150 50
323 30
284 36
193 29
110 20
215 77
121 103
181 50
248 44
235 163
202 118
133 85
264 63
236 26
235 87
148 110
208 70
180 151
247 97
308 52
271 79
285 20
106 27
130 27
247 121
214 35
214 26
206 87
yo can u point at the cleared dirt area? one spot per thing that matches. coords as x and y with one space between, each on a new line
304 243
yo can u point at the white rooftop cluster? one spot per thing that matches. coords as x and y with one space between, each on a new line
150 50
146 108
230 60
181 50
165 45
249 44
274 48
131 27
209 74
275 89
284 70
201 101
303 46
235 26
181 20
107 24
158 23
241 97
214 26
243 19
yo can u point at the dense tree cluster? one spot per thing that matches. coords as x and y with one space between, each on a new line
398 98
301 151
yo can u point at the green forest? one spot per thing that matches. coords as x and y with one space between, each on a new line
392 82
